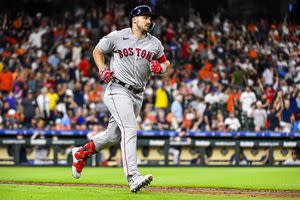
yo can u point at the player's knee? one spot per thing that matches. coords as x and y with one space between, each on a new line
114 139
130 131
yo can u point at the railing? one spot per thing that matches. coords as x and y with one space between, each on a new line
226 144
158 133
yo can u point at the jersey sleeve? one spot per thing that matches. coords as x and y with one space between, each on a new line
106 44
160 52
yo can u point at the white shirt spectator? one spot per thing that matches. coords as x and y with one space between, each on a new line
285 29
62 51
232 123
247 98
290 161
223 97
282 63
43 102
177 110
268 76
35 38
247 66
76 54
260 117
212 98
201 108
226 27
147 125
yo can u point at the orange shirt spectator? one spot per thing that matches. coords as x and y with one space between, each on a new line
189 67
94 96
213 39
15 75
20 51
252 53
230 103
215 75
187 122
6 81
17 23
233 97
251 28
6 54
200 46
205 73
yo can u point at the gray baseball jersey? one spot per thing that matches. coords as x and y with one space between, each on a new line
130 63
131 56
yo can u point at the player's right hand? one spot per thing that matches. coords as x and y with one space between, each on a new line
155 67
105 75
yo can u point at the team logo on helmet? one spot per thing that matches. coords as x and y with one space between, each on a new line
142 10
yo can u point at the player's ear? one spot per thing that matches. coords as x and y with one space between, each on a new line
134 19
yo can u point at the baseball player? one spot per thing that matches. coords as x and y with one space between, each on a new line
136 54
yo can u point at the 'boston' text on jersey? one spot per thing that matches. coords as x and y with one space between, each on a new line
139 52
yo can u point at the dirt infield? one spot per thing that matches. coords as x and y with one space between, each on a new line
187 190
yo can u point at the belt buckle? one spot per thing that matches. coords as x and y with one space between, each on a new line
127 86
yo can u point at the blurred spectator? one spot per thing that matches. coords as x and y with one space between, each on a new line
203 122
43 103
293 160
53 98
232 123
177 111
212 97
175 150
29 108
22 151
12 119
239 77
6 80
266 158
162 121
241 157
41 149
273 120
11 99
161 96
35 38
247 98
287 117
259 116
218 121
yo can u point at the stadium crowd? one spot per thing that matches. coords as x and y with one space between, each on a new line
226 75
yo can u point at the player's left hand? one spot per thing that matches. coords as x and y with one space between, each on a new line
155 67
105 75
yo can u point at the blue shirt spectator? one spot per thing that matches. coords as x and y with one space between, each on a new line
176 108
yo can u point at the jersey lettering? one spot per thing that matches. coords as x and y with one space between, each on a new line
143 53
125 52
138 51
130 51
120 54
148 56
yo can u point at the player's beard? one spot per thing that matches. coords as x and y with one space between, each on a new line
144 29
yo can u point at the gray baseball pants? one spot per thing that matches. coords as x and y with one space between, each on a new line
124 107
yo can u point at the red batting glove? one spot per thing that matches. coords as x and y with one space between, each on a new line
155 67
105 75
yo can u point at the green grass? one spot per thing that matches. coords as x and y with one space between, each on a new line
17 192
241 178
